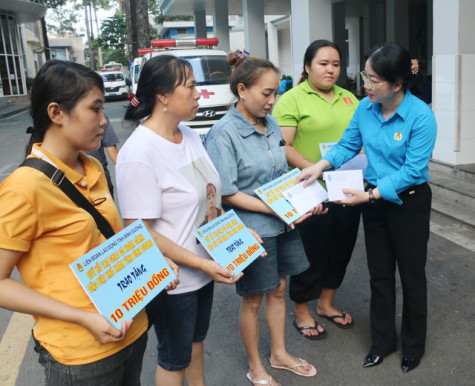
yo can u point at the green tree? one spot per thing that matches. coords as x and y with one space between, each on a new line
113 39
62 16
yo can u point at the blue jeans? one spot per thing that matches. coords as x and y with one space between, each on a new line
183 320
285 256
122 368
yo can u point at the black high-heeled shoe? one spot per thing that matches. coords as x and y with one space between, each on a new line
408 364
372 360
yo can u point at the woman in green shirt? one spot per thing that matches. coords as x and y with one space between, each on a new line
313 116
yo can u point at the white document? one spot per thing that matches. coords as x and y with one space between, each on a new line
305 199
344 179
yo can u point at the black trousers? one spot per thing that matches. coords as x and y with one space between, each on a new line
328 241
398 234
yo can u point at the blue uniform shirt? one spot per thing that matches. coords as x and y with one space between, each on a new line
398 148
246 159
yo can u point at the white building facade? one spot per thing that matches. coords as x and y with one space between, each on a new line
439 33
21 53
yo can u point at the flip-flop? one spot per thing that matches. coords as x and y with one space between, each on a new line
262 381
312 371
339 325
321 335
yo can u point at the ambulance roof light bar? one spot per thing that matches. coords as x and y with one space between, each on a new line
110 69
143 51
163 43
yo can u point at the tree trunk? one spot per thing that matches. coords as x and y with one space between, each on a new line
143 28
99 49
131 21
92 61
45 39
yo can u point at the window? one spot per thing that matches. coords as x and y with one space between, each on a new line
182 31
11 66
115 77
210 69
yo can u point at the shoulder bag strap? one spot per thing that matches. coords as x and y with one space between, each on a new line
59 179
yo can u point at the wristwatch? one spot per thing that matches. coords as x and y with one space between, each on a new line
372 199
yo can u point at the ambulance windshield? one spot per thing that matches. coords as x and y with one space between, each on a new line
210 69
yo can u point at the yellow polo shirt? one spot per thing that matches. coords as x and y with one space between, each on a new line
38 219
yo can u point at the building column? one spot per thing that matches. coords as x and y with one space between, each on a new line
254 31
374 25
200 24
397 22
430 35
221 24
453 81
273 43
340 38
353 66
310 20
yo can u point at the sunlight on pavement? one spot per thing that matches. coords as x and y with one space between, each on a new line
453 236
13 346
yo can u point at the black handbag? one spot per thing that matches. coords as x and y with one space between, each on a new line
59 179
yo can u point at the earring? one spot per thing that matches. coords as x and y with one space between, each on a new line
165 108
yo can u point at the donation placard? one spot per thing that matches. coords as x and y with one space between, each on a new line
229 242
124 273
272 194
358 162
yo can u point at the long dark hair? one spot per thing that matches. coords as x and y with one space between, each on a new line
392 62
160 75
311 51
63 82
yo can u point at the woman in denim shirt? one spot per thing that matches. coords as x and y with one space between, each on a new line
248 150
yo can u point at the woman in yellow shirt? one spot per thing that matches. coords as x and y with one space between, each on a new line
42 231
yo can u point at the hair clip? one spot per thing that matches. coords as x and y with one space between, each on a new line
414 66
243 55
134 101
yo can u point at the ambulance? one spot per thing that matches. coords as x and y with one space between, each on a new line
134 74
211 71
116 86
112 66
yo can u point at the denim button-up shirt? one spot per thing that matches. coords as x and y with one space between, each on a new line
247 159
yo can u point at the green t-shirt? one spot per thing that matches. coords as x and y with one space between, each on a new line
316 120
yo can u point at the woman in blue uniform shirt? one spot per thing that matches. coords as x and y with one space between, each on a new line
398 132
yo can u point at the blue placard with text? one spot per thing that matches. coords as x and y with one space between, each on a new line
124 273
229 242
271 194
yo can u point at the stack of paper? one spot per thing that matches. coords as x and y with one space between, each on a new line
343 179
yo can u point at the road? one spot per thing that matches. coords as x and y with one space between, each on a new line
450 342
